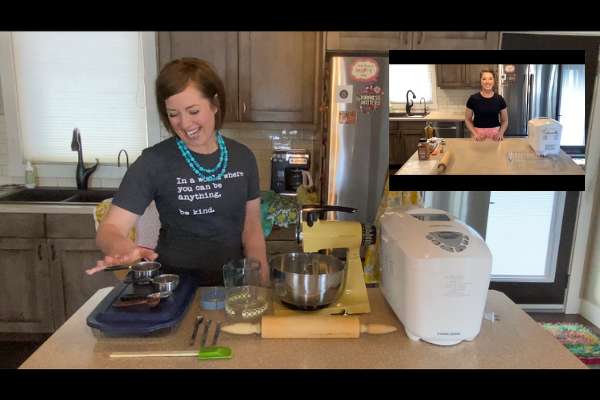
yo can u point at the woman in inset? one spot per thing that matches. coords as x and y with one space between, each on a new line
486 105
205 186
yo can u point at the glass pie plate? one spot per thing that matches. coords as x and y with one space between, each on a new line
533 161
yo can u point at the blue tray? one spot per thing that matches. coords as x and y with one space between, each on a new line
142 319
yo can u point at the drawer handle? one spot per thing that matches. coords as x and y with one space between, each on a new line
40 252
53 252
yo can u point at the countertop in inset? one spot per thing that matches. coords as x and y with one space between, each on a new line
470 157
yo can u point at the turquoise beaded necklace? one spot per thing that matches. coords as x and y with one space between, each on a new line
200 171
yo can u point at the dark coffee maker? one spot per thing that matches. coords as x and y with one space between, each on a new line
287 168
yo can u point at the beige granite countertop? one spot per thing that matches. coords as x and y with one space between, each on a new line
516 341
47 208
470 157
433 116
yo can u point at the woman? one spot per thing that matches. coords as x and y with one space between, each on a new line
205 186
486 105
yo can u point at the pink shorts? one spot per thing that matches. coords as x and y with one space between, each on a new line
487 132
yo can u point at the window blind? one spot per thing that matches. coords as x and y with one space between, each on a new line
415 77
518 232
90 80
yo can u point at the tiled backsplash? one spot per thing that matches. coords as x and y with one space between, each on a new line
261 142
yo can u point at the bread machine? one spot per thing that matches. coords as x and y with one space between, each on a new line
544 135
435 274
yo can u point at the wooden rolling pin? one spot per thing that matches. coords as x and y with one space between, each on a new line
308 327
444 162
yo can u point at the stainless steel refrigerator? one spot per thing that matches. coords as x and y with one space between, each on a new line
530 91
356 145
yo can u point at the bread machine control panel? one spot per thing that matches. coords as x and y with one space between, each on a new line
453 242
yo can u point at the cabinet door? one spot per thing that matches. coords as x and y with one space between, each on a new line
456 40
472 72
69 259
374 41
26 302
277 76
217 48
396 148
450 75
410 141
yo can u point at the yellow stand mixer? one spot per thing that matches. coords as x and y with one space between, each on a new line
315 234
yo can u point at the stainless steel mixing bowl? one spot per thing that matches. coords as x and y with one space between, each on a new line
307 281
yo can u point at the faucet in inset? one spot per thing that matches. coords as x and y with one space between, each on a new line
82 174
408 106
424 104
119 158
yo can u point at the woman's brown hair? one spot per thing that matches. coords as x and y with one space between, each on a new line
177 75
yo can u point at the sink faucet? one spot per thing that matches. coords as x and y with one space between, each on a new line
424 104
82 174
408 106
119 158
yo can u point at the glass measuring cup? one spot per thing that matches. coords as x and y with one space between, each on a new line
245 299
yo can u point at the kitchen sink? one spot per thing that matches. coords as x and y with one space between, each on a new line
409 115
57 196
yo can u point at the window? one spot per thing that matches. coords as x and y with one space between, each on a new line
420 78
99 82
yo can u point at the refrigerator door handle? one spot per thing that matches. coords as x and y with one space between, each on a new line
524 100
531 93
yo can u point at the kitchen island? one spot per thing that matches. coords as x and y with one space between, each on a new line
516 341
470 157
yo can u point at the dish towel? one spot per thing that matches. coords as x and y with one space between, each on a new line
390 199
279 210
146 229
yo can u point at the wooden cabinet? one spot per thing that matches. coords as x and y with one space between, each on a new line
42 262
375 41
268 76
459 75
26 304
404 137
72 247
417 40
396 145
456 40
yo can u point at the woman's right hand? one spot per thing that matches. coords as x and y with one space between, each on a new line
124 252
477 137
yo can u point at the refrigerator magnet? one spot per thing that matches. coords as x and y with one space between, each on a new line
370 99
364 70
344 94
509 68
347 117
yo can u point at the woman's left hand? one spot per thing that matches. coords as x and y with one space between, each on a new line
498 137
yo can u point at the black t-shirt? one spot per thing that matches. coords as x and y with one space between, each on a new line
486 110
201 222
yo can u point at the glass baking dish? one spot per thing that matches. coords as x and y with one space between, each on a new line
533 161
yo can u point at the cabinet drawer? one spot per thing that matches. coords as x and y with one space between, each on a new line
411 125
79 226
22 225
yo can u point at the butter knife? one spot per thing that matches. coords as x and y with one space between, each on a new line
214 343
205 335
198 322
